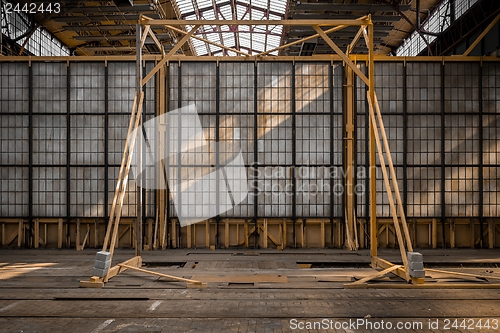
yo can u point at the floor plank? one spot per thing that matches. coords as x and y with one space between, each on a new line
39 292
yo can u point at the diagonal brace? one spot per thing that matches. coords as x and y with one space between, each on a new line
360 32
169 55
388 185
341 54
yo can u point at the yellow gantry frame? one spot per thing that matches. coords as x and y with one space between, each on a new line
364 23
376 124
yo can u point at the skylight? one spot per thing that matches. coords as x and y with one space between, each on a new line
438 22
247 39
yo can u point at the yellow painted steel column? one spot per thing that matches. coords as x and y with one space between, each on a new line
372 171
161 193
351 242
138 223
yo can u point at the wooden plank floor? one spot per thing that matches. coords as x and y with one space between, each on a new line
39 293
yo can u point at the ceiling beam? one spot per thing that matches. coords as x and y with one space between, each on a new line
321 23
110 48
364 8
352 30
295 35
99 27
325 50
104 38
72 9
161 37
100 18
375 18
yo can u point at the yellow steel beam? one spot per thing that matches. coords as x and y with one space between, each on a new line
341 54
315 57
144 35
164 60
328 31
360 32
321 23
155 40
207 41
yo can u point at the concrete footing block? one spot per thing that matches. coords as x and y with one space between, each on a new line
415 256
103 256
99 272
102 263
416 265
418 273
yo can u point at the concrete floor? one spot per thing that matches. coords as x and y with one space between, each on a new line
248 291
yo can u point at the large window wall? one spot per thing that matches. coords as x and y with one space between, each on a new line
62 134
63 129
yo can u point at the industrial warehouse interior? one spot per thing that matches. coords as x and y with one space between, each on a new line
250 166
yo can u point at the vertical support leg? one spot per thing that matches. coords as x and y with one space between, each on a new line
491 234
373 196
452 233
362 233
322 226
303 232
194 235
20 233
434 233
162 197
280 231
66 232
85 240
264 244
174 234
207 233
245 229
150 235
189 237
46 234
471 233
37 233
257 233
338 226
96 233
237 233
387 230
284 233
138 222
165 237
155 234
349 162
414 227
77 242
226 234
372 174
